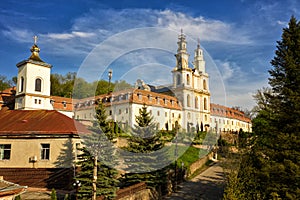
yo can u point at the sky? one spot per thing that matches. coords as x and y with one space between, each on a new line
138 39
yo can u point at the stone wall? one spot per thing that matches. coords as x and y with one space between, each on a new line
199 163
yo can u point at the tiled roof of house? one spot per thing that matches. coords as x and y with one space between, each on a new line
131 96
62 103
44 122
7 98
222 111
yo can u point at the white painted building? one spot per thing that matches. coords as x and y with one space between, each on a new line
186 101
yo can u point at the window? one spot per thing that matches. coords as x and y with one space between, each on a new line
40 101
126 110
139 96
188 100
120 111
22 84
5 151
166 114
35 101
38 85
205 104
45 151
204 84
188 79
157 113
196 102
178 79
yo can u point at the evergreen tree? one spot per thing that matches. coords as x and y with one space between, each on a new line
144 166
53 194
271 169
98 145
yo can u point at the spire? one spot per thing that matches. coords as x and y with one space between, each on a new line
181 42
182 56
35 51
199 62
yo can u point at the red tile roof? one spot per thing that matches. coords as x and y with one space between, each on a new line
62 103
45 122
222 111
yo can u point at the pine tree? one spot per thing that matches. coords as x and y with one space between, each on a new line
271 169
144 166
98 145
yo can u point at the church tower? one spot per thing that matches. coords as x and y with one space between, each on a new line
33 82
199 62
190 86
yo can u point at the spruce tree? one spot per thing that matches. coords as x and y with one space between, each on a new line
271 169
144 166
98 145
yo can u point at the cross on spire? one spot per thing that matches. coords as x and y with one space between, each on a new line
35 38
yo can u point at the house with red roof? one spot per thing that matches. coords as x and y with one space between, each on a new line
39 139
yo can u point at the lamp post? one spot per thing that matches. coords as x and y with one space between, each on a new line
109 78
176 154
77 184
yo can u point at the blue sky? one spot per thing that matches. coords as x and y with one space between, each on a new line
239 35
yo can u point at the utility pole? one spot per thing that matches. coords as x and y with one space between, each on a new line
94 192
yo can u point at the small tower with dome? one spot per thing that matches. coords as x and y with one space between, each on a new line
33 82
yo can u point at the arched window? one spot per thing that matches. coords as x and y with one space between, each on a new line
204 85
196 102
188 100
188 79
38 85
178 79
205 104
22 84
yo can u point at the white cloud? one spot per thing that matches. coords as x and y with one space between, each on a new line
205 29
19 35
67 36
229 70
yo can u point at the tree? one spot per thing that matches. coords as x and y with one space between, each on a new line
262 98
53 194
62 85
4 83
271 168
143 165
98 156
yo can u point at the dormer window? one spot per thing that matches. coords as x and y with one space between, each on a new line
38 85
64 103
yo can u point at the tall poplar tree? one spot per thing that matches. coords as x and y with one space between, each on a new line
271 170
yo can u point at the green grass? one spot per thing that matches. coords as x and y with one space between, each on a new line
187 154
191 155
